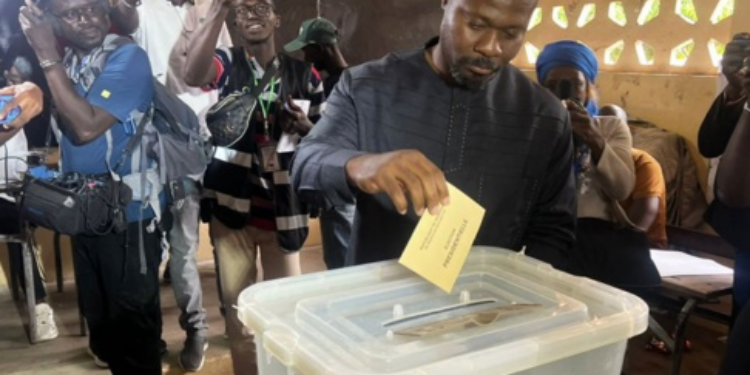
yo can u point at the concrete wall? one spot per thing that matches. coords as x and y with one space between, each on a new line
674 102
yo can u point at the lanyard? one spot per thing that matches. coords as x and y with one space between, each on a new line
265 105
259 89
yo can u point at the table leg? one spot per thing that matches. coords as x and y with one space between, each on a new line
58 263
660 333
679 340
28 264
15 287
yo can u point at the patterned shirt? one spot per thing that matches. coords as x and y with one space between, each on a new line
257 196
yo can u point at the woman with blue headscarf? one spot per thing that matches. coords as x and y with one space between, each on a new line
609 247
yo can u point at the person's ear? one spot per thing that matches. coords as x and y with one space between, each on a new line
277 22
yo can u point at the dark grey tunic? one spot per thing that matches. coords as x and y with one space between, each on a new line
507 146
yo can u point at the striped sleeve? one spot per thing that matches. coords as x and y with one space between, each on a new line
316 95
223 61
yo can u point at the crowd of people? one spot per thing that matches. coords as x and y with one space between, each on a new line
366 149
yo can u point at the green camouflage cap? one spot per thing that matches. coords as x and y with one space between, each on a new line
314 31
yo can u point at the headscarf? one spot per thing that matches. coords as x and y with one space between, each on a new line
571 54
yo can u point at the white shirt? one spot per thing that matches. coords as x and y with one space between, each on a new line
164 32
14 148
160 26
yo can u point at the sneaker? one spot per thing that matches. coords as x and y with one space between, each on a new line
98 362
46 329
193 355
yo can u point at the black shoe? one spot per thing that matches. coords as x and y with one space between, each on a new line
163 348
193 355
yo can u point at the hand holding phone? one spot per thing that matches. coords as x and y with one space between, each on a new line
11 115
296 120
19 104
736 58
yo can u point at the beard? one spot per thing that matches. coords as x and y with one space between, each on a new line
460 72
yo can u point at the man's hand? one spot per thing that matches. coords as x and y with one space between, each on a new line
29 97
400 174
297 122
731 64
38 30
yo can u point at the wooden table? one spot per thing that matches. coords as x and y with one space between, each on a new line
694 290
700 287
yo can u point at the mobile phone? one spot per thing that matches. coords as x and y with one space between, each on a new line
14 113
564 92
564 89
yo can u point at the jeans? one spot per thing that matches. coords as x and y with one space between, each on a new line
183 268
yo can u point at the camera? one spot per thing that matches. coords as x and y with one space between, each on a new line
564 91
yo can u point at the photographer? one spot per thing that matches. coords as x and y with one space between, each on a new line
608 246
726 132
116 262
722 117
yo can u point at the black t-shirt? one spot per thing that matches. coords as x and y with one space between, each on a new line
718 126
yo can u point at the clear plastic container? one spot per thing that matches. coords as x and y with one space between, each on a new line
362 320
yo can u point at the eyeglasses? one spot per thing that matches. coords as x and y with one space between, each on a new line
261 10
74 15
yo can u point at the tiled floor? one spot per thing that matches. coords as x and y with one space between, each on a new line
67 356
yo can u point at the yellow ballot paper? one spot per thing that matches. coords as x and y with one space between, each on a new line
440 244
